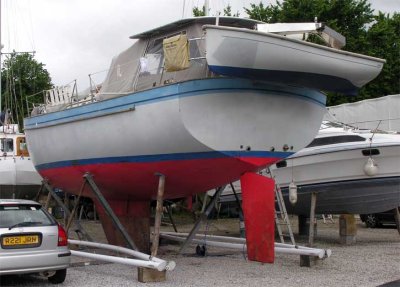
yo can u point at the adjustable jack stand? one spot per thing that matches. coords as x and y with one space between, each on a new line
203 216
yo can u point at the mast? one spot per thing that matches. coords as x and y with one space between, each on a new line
1 48
206 6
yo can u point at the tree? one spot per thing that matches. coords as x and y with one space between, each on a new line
383 41
22 76
365 33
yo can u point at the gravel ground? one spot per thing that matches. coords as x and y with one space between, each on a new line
372 261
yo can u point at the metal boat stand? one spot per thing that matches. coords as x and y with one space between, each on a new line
240 244
150 268
151 265
81 232
203 216
96 191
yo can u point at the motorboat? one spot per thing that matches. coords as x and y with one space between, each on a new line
168 106
354 171
18 176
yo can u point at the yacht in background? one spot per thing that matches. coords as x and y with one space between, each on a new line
18 177
355 171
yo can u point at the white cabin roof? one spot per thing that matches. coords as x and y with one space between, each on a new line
223 21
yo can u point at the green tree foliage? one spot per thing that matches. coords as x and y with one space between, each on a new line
197 12
365 33
228 12
383 41
22 76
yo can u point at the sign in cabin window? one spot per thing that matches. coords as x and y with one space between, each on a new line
22 148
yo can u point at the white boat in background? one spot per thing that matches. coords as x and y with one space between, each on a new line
18 176
352 171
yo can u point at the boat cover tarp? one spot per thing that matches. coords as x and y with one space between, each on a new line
368 114
121 75
141 66
176 52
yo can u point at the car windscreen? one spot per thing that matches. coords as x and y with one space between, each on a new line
23 216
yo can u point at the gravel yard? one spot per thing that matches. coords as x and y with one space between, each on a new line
372 261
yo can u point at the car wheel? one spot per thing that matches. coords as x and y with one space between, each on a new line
371 221
58 277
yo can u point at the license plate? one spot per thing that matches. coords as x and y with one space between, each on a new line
20 240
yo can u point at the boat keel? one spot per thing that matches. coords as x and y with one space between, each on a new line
135 218
259 209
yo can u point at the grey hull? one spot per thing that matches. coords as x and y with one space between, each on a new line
353 197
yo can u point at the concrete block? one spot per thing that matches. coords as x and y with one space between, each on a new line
308 261
146 275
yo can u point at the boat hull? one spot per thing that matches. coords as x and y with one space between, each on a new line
339 180
200 134
275 58
18 178
362 196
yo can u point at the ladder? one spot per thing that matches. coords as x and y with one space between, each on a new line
282 221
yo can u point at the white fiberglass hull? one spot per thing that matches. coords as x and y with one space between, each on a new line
18 178
199 134
339 179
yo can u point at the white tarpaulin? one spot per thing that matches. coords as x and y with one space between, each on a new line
368 114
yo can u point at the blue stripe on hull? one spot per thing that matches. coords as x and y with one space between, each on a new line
184 89
310 80
164 157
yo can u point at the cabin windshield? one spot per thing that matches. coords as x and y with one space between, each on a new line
152 72
336 140
7 145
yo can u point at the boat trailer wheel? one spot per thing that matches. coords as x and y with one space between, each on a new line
201 250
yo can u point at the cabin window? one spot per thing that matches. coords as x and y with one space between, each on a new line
281 164
336 140
7 145
370 152
152 62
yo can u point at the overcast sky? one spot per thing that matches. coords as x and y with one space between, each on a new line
74 38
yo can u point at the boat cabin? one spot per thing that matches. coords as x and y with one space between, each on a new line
12 143
165 55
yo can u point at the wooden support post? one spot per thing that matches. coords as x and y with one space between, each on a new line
146 275
159 211
71 217
47 204
305 260
66 203
347 229
37 197
170 218
397 218
304 226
